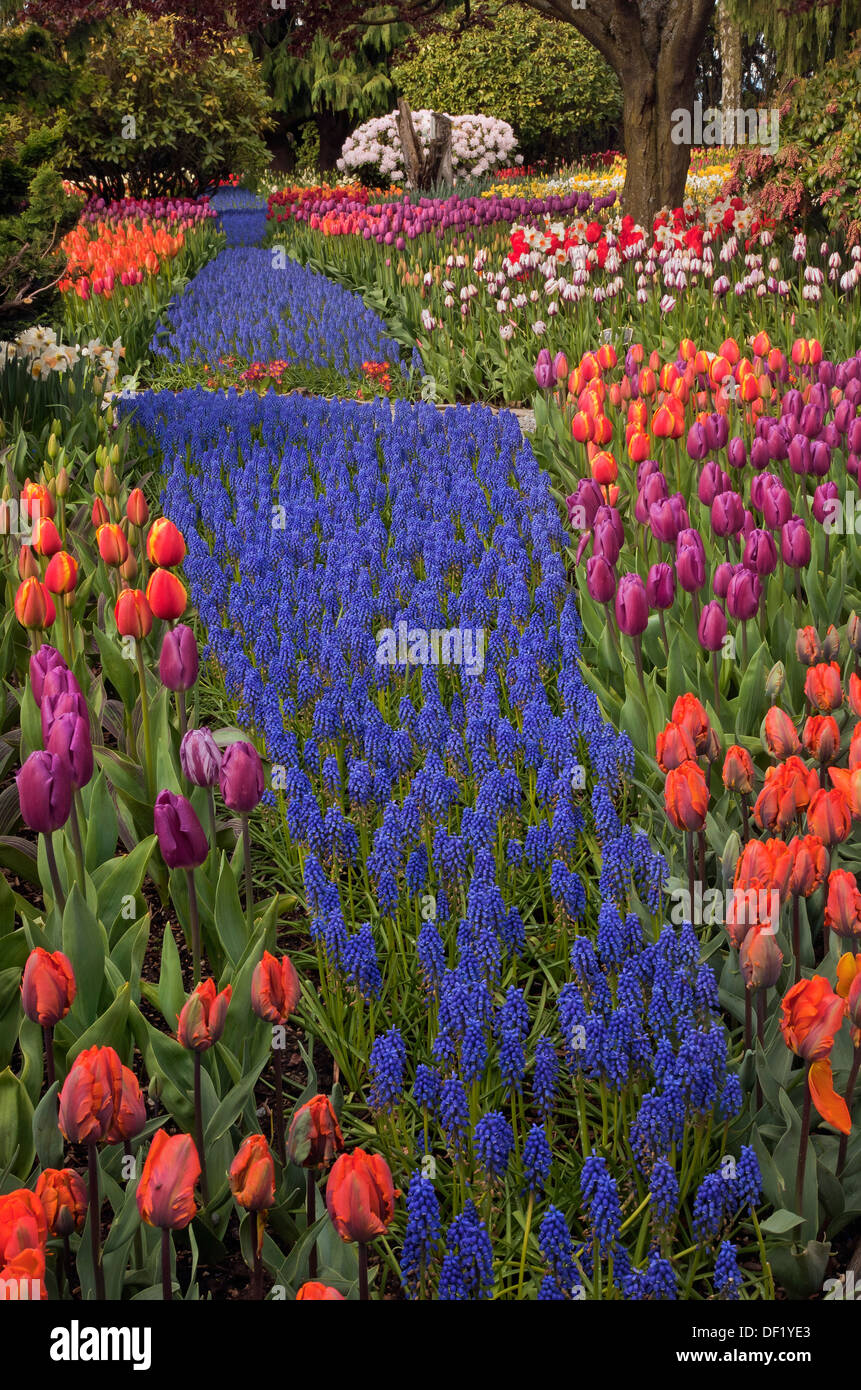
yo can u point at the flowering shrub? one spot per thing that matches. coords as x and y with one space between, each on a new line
479 144
447 819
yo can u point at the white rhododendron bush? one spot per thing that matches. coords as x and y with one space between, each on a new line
479 144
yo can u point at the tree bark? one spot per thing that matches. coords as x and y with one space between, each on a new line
422 170
333 127
729 38
652 46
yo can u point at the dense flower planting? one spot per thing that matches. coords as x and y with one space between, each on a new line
479 144
447 818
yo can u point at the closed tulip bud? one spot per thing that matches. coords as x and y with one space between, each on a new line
743 595
41 662
36 501
252 1175
795 543
605 542
738 770
674 746
600 579
178 661
64 1199
822 737
48 987
697 442
201 1022
760 552
129 568
46 538
727 514
90 1095
722 578
760 959
855 694
69 738
776 504
543 370
165 544
831 643
275 988
605 469
829 816
200 758
112 543
133 614
241 777
44 792
360 1196
843 904
34 607
61 694
28 565
129 1111
61 576
660 586
775 681
166 595
711 629
686 797
737 452
165 1193
101 516
729 858
688 712
560 367
712 482
319 1293
690 561
315 1137
823 688
808 648
110 482
137 510
810 860
853 634
181 837
62 482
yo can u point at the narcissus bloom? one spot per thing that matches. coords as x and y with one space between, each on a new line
315 1136
360 1196
48 987
63 1196
201 1022
252 1175
823 688
133 614
165 1193
686 797
275 988
91 1093
165 545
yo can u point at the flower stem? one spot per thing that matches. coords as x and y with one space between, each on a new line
311 1217
525 1243
95 1220
802 1146
850 1091
198 1129
249 892
363 1271
195 924
50 1069
280 1147
59 896
147 735
166 1282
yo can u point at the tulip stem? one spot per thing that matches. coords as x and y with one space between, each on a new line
760 1037
689 836
701 844
50 1069
59 896
198 1129
166 1281
212 821
310 1218
748 1039
76 839
95 1219
180 705
257 1277
195 925
715 680
280 1147
249 894
802 1146
147 736
67 1262
664 633
363 1271
745 817
850 1091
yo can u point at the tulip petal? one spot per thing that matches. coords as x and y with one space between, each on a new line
831 1107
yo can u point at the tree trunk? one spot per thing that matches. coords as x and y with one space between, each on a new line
333 127
729 38
657 168
424 171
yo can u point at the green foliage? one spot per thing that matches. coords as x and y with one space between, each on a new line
539 75
336 75
802 38
149 118
816 171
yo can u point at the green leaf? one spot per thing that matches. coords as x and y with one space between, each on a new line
86 945
230 925
120 672
109 1030
171 993
780 1222
102 823
47 1139
119 880
17 1148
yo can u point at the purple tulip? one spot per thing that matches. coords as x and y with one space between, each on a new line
44 792
823 499
70 739
792 403
760 553
722 575
587 495
713 480
543 370
600 579
690 561
654 490
241 777
812 418
668 517
178 661
697 442
712 627
608 516
737 452
743 595
776 505
41 662
632 606
727 514
795 543
647 469
820 457
560 367
853 436
717 431
181 837
605 542
843 416
65 702
799 454
661 586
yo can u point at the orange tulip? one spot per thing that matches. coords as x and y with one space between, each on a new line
753 865
829 816
133 614
165 1193
165 545
315 1136
91 1094
849 988
812 1014
101 516
112 543
321 1292
275 988
61 576
809 865
830 1105
822 687
137 510
129 1111
674 746
64 1198
688 712
23 1223
780 736
48 987
738 770
686 797
822 737
855 748
581 427
605 469
166 595
760 959
34 607
252 1175
28 565
761 344
360 1196
639 446
46 538
36 501
201 1022
843 905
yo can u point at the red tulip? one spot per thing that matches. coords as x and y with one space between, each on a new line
823 688
275 988
812 1014
686 797
34 607
360 1196
201 1022
829 816
822 737
738 770
61 576
781 738
137 510
90 1096
112 543
133 614
48 987
674 746
315 1136
252 1175
165 1193
843 905
688 712
129 1110
166 595
321 1292
809 864
760 959
64 1198
165 544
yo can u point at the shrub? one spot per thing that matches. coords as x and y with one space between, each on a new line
479 144
149 118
